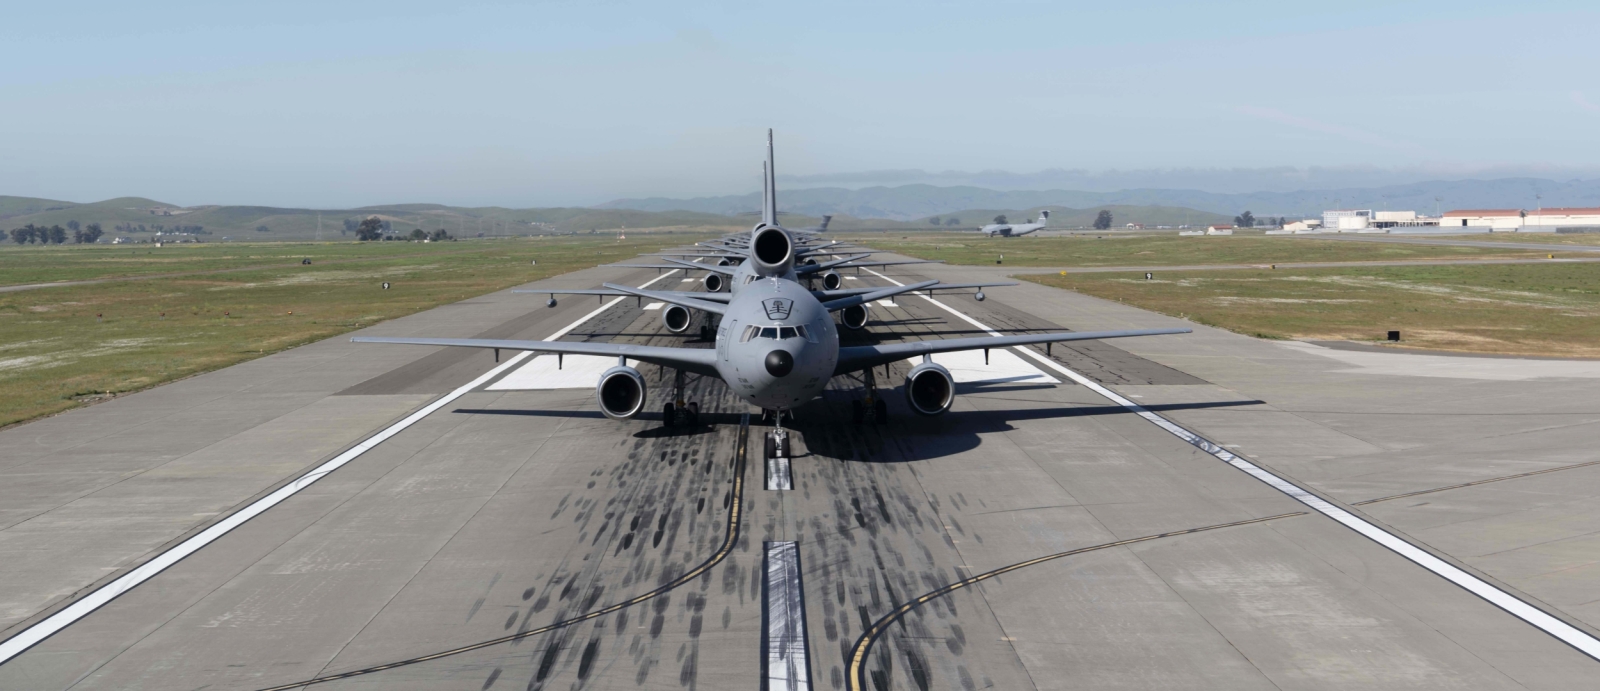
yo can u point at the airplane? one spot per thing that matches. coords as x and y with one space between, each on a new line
1008 230
817 229
776 347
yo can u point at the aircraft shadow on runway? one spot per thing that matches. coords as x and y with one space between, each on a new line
828 432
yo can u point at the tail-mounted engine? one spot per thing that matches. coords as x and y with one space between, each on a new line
930 389
676 318
621 393
771 251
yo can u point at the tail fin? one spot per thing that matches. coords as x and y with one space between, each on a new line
1044 217
769 197
825 219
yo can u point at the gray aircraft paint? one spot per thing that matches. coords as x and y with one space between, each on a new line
768 294
1009 230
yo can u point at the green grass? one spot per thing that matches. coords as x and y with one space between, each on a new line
1518 309
1575 239
56 353
1161 250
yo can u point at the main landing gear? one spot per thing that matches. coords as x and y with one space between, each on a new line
676 412
873 407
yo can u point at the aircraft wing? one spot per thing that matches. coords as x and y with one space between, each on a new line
889 263
708 267
804 269
826 295
877 294
606 292
856 358
696 360
674 297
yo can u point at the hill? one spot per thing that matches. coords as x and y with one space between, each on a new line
909 202
142 218
1064 217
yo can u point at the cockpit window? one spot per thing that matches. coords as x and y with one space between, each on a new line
769 332
805 334
749 333
750 279
786 332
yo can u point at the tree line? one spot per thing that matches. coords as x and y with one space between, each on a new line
56 235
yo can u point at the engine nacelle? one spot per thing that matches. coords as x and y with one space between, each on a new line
676 318
772 251
854 318
621 393
724 262
713 282
930 389
831 280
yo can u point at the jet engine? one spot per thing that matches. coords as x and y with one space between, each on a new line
831 280
621 393
929 389
854 318
713 282
772 251
675 318
724 262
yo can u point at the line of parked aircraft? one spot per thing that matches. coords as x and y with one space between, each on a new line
777 345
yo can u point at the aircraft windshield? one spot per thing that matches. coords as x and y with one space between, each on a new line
776 333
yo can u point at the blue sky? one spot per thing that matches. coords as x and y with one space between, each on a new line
337 104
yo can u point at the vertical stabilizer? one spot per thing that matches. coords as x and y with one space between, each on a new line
766 192
769 185
1044 217
825 219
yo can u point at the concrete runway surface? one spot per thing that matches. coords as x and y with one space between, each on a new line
513 539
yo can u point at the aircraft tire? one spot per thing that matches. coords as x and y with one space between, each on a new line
880 411
668 415
858 412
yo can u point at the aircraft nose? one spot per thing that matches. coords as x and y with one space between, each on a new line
779 363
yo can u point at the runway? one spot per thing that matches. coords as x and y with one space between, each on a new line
1146 562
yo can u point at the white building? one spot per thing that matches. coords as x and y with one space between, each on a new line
1493 219
1346 219
1561 217
1219 230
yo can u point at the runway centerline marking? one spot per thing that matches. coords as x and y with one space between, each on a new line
49 626
1511 604
785 666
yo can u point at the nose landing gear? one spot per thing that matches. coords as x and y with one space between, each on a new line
777 439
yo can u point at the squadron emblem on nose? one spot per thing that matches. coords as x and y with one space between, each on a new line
778 308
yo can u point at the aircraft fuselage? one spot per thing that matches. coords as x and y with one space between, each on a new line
776 345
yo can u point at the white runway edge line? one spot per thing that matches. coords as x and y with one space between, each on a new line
32 635
1567 633
785 666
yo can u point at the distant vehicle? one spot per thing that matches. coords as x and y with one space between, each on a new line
1010 230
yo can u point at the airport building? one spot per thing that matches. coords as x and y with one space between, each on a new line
1549 220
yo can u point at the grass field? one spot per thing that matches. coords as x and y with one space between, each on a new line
1523 309
56 353
1161 250
1575 239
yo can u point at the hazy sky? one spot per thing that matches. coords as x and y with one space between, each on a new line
340 104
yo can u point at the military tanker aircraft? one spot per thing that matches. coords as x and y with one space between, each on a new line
776 346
